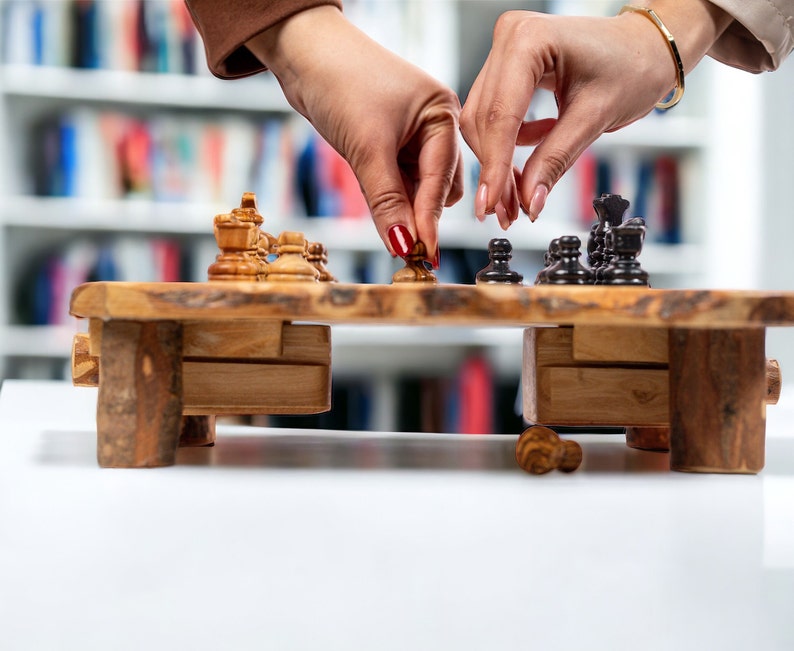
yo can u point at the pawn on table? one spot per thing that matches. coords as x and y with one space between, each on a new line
500 251
550 257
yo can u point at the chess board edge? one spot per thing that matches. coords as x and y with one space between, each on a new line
434 304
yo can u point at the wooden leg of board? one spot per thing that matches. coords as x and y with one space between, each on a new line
718 394
139 404
656 439
197 431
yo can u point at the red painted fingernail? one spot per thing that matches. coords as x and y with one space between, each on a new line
436 258
401 240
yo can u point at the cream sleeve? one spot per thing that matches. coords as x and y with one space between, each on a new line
760 37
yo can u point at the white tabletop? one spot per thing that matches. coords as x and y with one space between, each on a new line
287 540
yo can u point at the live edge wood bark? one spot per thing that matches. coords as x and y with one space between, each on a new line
718 392
139 406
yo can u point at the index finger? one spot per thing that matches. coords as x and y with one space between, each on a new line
501 95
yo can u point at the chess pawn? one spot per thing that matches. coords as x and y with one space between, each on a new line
540 450
415 270
500 251
237 241
568 270
291 264
626 243
317 255
550 257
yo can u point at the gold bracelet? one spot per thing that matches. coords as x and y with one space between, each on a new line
678 91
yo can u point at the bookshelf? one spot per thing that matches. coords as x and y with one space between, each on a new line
39 88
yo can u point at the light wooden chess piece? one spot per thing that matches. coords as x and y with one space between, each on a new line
540 450
241 242
248 211
318 257
237 241
291 264
415 270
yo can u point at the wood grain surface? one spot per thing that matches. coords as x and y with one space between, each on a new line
428 304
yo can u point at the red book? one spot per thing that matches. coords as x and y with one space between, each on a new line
476 396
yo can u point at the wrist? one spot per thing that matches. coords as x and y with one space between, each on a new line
696 25
287 47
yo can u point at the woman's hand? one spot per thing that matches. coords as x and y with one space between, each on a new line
395 125
605 73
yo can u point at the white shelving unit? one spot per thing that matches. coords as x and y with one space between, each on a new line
28 91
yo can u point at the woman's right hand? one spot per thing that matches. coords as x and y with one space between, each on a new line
605 74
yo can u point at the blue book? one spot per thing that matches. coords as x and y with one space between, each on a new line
68 159
38 35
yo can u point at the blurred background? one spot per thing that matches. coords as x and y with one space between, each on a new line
117 148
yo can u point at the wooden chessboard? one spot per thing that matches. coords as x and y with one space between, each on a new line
435 304
686 370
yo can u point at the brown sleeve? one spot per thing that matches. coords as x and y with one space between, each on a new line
226 25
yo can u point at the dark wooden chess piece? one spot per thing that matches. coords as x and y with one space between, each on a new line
500 251
626 243
568 270
550 257
610 209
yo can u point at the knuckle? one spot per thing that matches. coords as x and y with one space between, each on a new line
557 163
506 24
385 203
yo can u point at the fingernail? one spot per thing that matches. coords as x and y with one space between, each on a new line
436 258
538 201
502 216
480 202
401 240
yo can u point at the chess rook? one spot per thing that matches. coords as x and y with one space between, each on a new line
500 251
237 240
625 241
244 246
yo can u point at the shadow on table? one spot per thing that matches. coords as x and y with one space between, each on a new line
365 451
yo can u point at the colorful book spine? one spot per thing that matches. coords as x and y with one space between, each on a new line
44 291
138 35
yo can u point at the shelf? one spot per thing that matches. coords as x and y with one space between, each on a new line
53 342
109 215
260 93
658 132
338 234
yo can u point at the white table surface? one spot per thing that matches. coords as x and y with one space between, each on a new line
300 540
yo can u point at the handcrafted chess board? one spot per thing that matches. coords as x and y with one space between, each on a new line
684 370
